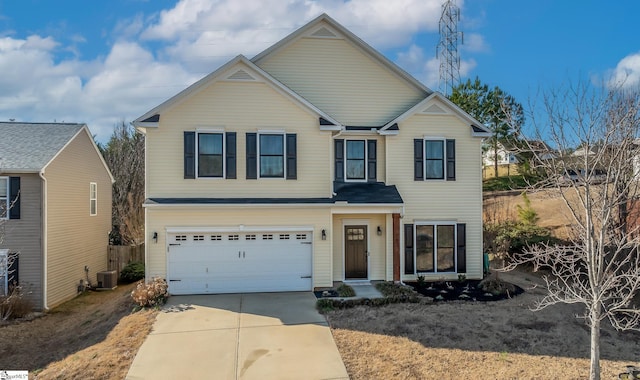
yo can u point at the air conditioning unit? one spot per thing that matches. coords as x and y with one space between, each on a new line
108 279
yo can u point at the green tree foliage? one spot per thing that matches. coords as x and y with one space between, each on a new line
494 108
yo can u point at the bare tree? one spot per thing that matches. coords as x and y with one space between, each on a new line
124 154
600 268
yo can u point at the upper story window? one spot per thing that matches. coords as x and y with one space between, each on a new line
4 197
93 199
210 155
434 159
271 148
355 159
271 154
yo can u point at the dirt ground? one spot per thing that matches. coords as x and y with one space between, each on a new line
479 340
94 336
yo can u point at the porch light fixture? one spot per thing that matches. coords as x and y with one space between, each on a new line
155 237
324 234
379 231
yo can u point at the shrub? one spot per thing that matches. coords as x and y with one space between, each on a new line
15 305
132 272
345 290
152 294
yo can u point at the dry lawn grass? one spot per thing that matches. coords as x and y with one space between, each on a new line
94 336
551 209
492 340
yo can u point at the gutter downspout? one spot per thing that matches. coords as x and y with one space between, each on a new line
44 241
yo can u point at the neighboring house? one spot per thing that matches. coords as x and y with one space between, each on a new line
55 202
318 160
506 155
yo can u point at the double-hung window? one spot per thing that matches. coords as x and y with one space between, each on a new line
271 148
4 197
210 154
93 199
434 159
435 247
355 160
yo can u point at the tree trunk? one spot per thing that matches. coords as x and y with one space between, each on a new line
594 370
495 159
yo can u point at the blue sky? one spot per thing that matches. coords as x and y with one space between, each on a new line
100 62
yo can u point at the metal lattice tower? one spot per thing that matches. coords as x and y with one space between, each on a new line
447 50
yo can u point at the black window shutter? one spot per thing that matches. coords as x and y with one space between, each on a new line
418 153
339 161
451 160
230 153
462 248
371 160
189 155
409 268
252 159
14 197
292 170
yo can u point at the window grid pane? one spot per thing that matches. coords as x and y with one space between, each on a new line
272 156
424 248
446 248
356 165
434 159
210 155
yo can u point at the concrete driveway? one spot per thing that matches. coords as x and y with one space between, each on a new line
239 336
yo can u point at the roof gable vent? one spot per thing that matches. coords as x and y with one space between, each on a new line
241 75
324 32
434 109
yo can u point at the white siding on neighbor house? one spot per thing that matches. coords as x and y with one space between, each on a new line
158 220
75 239
436 200
377 244
239 107
342 80
24 236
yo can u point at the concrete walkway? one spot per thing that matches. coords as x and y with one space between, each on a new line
239 336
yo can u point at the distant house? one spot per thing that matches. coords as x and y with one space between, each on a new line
506 154
55 206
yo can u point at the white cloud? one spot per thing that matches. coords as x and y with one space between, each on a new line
627 72
153 57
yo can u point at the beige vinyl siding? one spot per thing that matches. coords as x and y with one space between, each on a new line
232 217
342 80
436 200
75 239
239 107
24 236
376 244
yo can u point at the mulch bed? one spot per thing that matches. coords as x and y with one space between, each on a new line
468 290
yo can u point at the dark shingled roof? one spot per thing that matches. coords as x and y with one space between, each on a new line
370 192
357 193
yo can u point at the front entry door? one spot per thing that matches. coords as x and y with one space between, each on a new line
355 248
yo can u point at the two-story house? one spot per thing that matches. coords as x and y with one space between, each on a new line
55 209
318 160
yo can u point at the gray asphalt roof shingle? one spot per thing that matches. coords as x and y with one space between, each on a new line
28 147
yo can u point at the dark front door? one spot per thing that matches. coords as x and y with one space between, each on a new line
355 251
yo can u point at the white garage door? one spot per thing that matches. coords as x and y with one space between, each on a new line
201 263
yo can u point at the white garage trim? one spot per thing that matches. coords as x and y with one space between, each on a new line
240 228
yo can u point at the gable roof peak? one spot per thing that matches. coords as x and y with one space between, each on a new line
347 34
